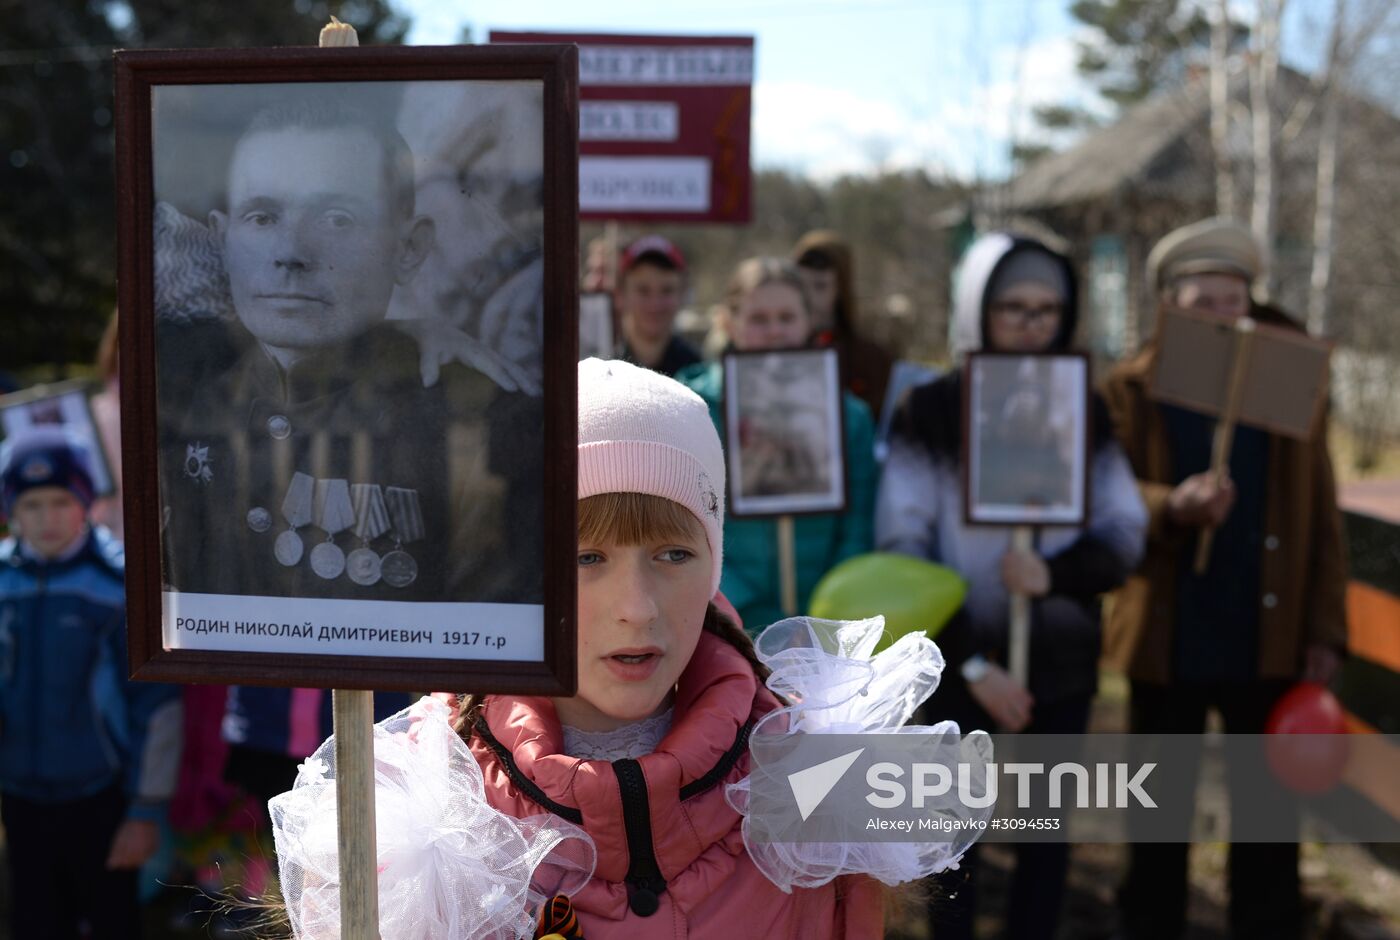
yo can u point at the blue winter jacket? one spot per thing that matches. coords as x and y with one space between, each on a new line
71 723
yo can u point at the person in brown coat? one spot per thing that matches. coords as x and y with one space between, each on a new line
824 258
1268 610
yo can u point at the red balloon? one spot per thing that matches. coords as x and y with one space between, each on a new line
1307 708
1307 748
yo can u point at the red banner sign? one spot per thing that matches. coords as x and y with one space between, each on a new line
663 125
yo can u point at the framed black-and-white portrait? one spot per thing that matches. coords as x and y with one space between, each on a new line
784 435
349 365
595 325
1026 439
64 404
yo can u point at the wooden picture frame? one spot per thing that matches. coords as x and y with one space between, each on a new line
66 404
790 400
1027 439
1286 381
277 421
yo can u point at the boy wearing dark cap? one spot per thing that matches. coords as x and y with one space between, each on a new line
88 759
650 285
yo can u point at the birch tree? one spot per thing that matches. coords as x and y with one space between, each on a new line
1225 203
1263 85
1324 217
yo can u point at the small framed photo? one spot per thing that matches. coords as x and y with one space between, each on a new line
595 325
65 404
348 354
1026 439
784 432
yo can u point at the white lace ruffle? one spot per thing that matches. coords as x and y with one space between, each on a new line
838 685
450 866
638 739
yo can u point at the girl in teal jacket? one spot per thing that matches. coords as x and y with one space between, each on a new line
768 309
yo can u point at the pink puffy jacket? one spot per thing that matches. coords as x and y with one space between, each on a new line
671 859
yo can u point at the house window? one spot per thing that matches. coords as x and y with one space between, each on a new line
1108 296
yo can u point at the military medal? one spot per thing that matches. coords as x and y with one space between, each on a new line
327 560
371 521
259 519
288 548
398 567
279 428
363 566
296 509
197 462
333 513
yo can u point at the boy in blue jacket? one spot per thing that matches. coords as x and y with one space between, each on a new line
88 759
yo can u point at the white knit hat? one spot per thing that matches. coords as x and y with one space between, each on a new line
641 432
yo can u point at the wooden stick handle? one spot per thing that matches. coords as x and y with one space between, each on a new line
338 35
787 565
1018 653
1224 441
611 238
1204 540
353 712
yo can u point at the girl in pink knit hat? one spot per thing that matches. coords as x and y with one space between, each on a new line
669 690
648 764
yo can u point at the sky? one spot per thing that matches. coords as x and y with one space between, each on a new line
856 86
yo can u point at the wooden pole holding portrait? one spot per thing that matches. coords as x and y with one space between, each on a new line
353 713
613 246
1224 439
1025 458
352 716
1018 649
787 565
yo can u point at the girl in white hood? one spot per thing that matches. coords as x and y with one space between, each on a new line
1014 295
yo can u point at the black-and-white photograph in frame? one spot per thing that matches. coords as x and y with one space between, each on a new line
1027 439
783 432
595 326
64 404
349 345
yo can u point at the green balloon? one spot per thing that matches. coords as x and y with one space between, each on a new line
911 593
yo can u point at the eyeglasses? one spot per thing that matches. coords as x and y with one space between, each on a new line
1020 315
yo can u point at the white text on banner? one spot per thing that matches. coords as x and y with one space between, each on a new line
644 184
629 120
665 65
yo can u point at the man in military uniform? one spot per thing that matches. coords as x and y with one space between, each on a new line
301 454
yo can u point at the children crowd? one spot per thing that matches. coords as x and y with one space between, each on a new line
672 591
